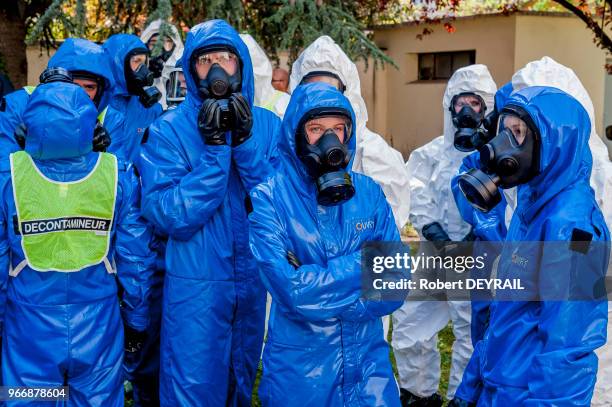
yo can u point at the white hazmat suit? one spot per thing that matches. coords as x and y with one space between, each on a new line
160 83
265 94
417 323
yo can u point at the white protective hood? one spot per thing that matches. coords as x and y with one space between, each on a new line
374 157
265 94
471 79
148 32
548 72
433 165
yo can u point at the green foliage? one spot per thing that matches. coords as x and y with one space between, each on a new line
278 25
230 10
162 12
42 27
297 23
81 18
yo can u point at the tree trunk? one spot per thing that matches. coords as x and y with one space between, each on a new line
13 48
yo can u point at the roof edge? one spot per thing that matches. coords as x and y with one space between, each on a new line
476 16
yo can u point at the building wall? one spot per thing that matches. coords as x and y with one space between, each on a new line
408 113
37 62
569 42
413 113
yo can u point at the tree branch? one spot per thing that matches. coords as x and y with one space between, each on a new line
604 41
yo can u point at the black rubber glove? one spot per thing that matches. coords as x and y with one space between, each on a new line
244 119
457 402
434 232
101 138
134 339
209 123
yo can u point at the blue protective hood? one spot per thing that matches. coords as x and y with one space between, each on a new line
216 32
565 157
117 47
304 99
502 95
60 120
77 54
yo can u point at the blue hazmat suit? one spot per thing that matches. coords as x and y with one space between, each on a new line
325 345
11 116
66 328
542 353
213 300
126 128
75 54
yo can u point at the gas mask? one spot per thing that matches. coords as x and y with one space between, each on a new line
471 126
140 81
176 87
222 79
327 159
224 72
56 74
511 158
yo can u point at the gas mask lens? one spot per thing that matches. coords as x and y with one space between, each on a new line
218 68
516 127
136 61
470 100
225 59
176 87
317 127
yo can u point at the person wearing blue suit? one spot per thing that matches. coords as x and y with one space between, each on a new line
197 166
63 324
325 344
542 352
133 107
134 99
88 65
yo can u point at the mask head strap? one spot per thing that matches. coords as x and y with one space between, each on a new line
307 78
